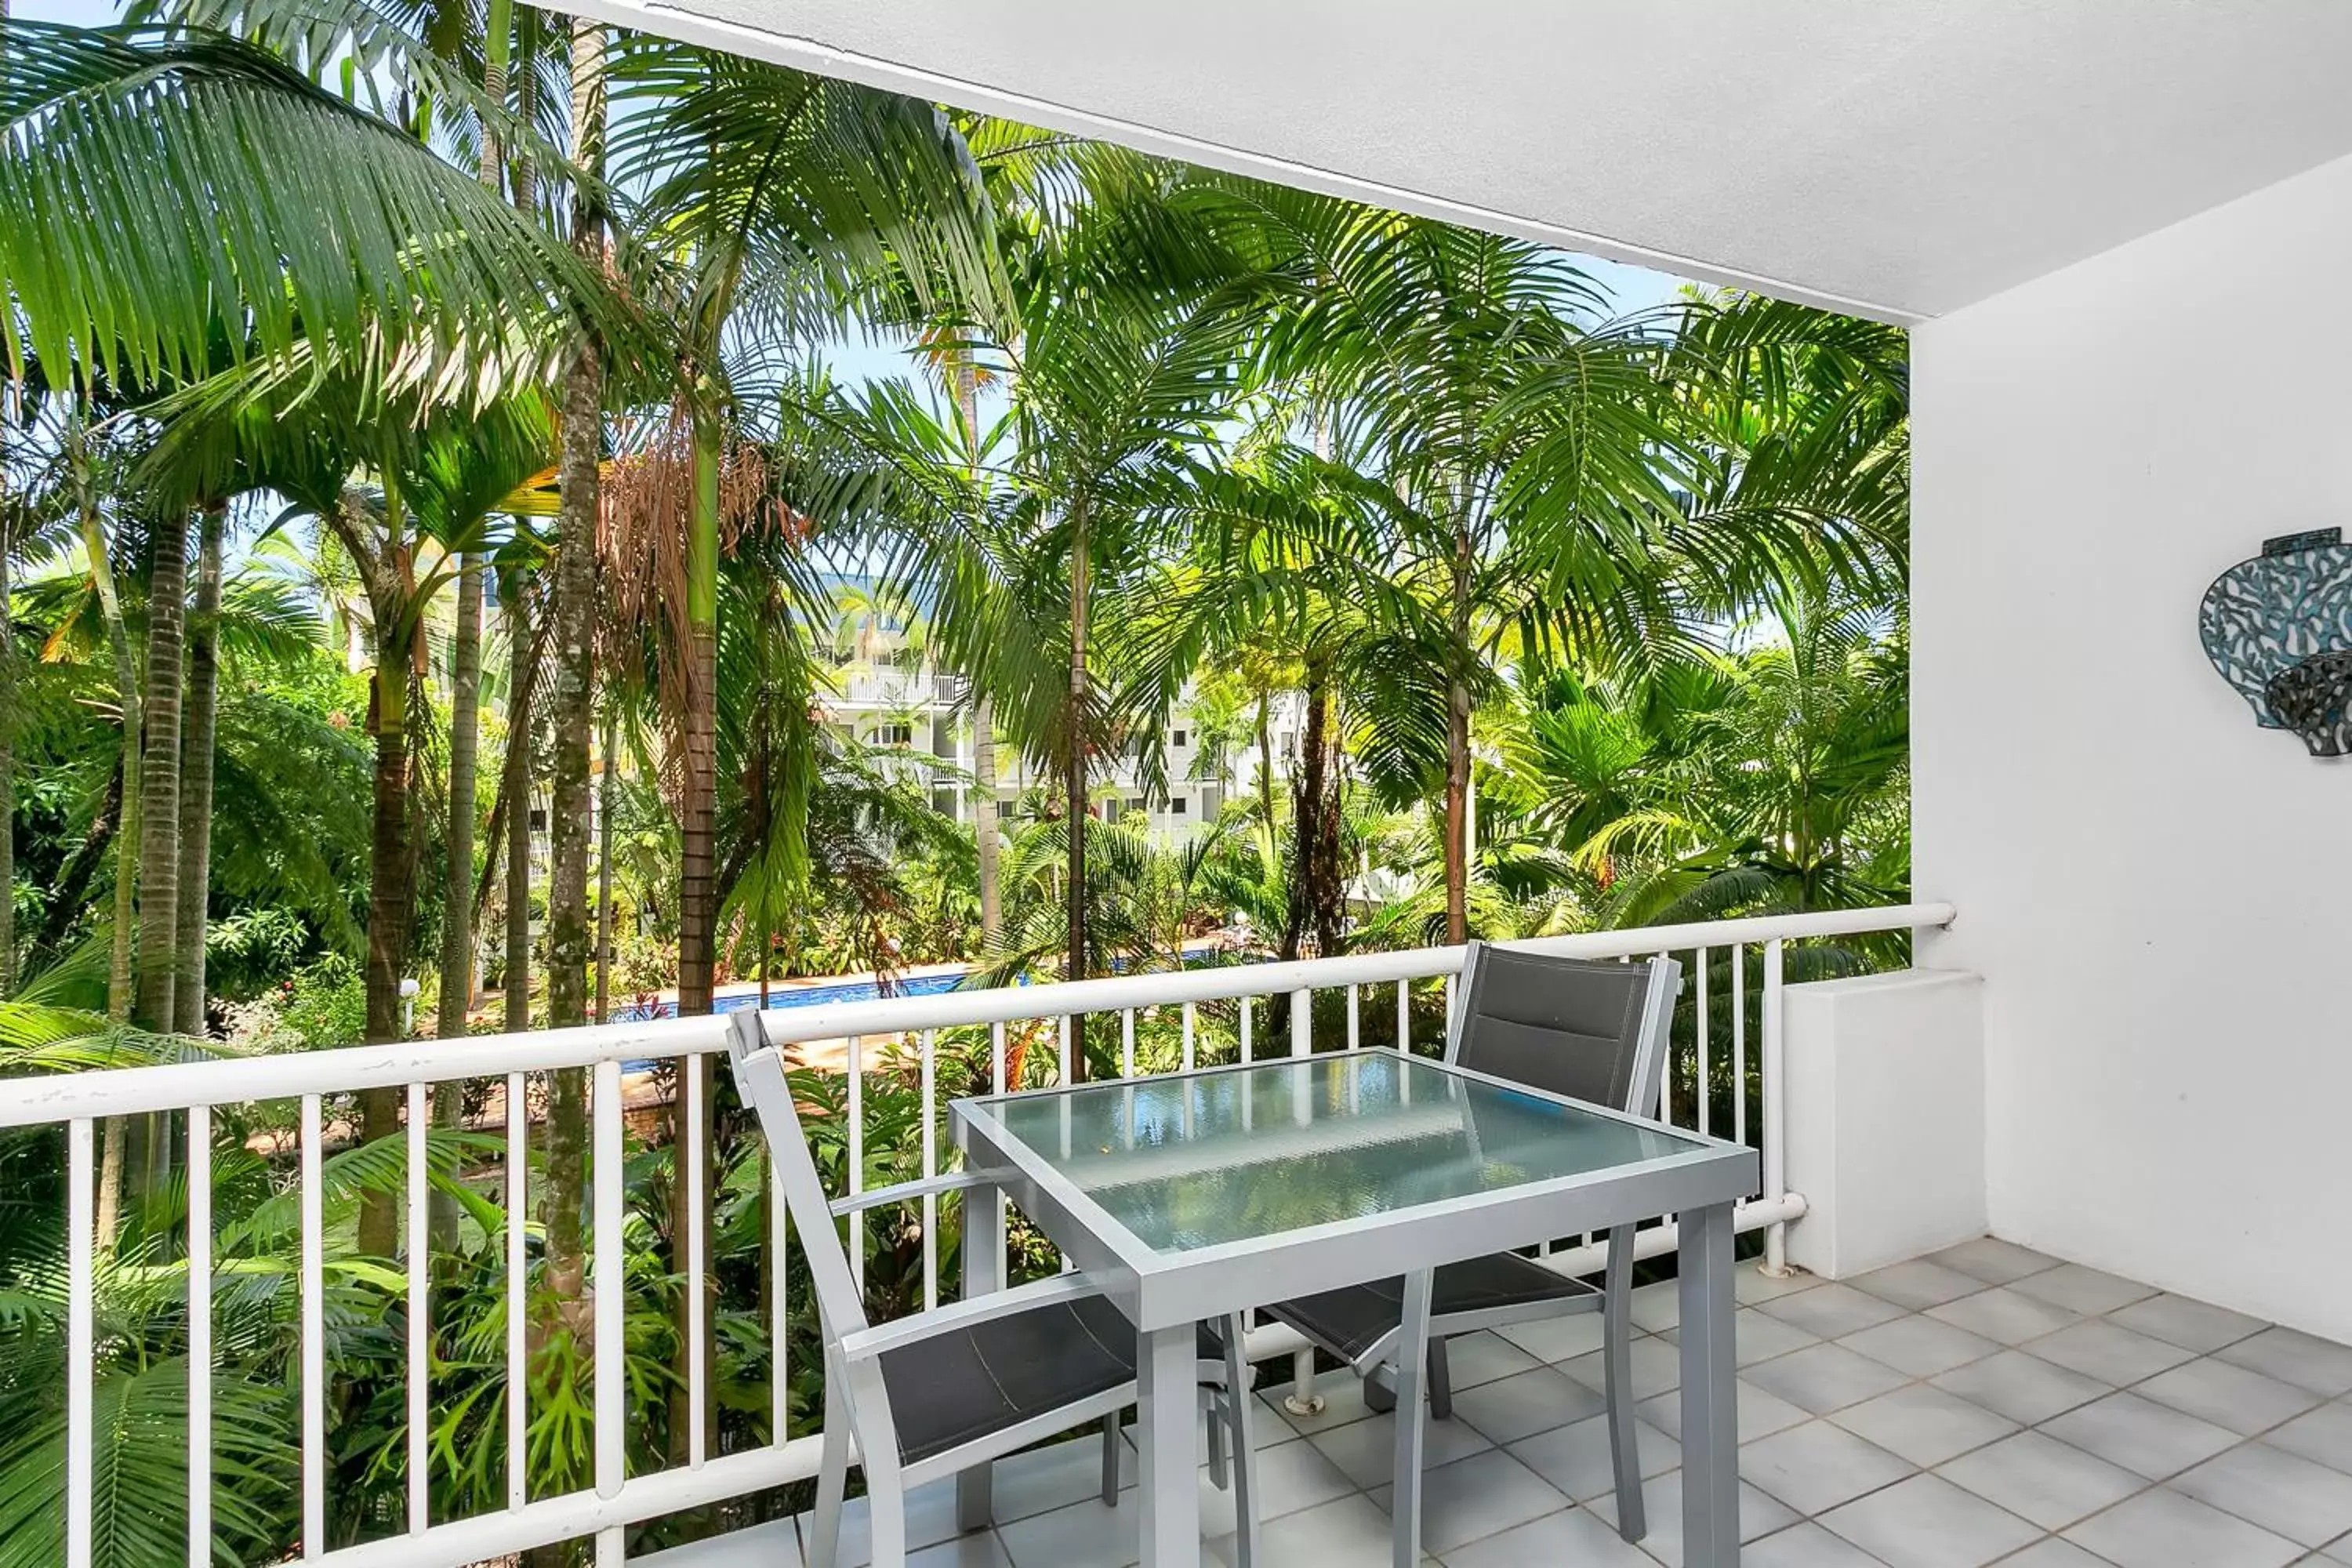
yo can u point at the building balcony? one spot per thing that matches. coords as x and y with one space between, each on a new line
1910 1391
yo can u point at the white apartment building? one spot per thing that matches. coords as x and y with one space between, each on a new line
890 693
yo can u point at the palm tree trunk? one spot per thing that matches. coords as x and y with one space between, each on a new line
121 947
698 895
1457 752
698 901
126 694
391 864
610 770
570 617
572 614
456 995
1316 876
498 44
1079 733
7 701
466 674
198 725
1457 813
464 752
985 830
520 670
527 35
1266 760
983 712
159 775
126 834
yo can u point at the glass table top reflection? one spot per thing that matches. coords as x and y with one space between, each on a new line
1242 1154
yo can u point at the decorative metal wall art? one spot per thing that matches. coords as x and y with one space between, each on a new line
2278 628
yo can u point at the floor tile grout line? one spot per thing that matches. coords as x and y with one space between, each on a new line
1910 1382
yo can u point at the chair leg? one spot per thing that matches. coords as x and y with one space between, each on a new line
1238 1401
1110 1458
1379 1388
1214 1402
832 1476
1441 1382
885 1502
1617 1362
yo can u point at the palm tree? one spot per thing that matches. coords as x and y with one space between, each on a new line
456 988
1113 394
570 631
198 739
308 441
1501 445
786 196
515 610
351 239
1767 780
282 834
572 604
159 772
986 836
10 396
329 268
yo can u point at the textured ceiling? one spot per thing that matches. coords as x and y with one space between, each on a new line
1899 157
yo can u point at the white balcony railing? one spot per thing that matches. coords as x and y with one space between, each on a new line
1733 969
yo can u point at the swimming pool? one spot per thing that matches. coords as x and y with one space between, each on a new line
797 996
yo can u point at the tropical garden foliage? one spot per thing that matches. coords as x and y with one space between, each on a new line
431 514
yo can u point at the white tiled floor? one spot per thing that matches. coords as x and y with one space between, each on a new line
1985 1405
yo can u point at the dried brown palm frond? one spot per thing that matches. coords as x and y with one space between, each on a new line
646 504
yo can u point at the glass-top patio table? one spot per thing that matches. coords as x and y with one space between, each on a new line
1197 1195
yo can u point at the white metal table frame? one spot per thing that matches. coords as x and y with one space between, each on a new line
1166 1292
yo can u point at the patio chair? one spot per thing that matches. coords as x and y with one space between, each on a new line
1593 1031
963 1386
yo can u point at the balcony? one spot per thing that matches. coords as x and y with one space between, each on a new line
1986 1404
1946 1399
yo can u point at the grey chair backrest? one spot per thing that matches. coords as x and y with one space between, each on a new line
759 1070
1592 1029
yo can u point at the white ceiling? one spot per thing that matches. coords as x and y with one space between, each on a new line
1896 157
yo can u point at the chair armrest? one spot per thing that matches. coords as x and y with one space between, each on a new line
957 1316
907 1192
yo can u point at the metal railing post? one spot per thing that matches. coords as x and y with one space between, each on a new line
1302 1399
1776 1179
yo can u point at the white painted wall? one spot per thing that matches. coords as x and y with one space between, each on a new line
1885 1125
2157 893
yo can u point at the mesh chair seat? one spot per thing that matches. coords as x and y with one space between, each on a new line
1352 1322
958 1388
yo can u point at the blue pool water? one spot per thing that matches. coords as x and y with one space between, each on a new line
798 997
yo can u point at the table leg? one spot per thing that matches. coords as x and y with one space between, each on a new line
1710 1397
1166 1387
983 1271
1411 1365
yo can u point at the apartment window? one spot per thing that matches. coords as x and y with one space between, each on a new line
1177 739
1176 807
1139 804
894 734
